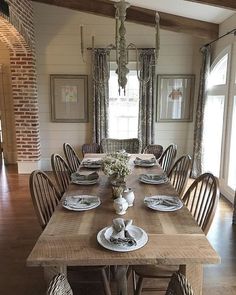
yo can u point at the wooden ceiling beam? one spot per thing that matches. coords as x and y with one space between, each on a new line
227 4
142 16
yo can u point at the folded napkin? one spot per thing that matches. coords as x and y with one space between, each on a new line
145 161
77 202
154 177
94 161
120 234
169 202
81 176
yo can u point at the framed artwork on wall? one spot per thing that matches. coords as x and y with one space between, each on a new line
69 98
175 98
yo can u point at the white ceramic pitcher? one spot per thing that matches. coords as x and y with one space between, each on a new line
129 196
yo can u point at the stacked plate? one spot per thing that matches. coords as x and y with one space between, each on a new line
153 178
137 233
81 202
145 162
163 203
92 163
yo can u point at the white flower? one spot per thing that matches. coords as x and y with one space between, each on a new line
116 165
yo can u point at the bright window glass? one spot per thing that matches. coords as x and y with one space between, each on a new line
219 72
232 161
212 133
123 109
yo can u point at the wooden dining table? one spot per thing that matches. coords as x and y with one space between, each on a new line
174 238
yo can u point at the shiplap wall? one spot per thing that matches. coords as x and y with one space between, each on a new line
58 52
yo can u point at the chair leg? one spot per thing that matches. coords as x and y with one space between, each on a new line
106 284
139 287
113 271
134 280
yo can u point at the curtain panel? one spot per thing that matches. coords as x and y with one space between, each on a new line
198 128
100 75
146 96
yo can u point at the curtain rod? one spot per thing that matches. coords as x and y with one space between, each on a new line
230 32
113 48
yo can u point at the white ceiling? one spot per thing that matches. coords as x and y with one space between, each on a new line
187 9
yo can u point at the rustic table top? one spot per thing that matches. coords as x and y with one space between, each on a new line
70 237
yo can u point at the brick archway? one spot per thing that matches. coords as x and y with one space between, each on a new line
24 91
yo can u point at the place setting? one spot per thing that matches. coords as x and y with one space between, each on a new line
81 202
163 203
151 178
84 178
122 236
145 162
92 163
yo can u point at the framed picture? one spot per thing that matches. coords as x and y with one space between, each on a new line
69 98
175 98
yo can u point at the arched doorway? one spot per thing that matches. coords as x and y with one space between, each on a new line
23 84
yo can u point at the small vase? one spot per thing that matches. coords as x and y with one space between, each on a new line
118 186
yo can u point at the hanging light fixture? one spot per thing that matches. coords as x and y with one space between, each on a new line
122 56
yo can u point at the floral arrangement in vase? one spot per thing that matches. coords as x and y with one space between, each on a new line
115 166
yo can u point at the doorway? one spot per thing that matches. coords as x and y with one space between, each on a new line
7 127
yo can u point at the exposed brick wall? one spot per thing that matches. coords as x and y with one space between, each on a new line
21 17
24 84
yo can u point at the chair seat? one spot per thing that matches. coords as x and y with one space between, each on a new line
152 271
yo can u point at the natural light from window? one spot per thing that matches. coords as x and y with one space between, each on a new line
232 161
218 73
212 133
123 109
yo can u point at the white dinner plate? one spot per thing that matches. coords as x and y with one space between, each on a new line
81 202
163 203
140 236
153 178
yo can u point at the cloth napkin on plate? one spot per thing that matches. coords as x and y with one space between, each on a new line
94 161
154 177
120 234
145 161
77 202
160 201
81 176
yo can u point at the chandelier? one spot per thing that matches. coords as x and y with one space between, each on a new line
122 56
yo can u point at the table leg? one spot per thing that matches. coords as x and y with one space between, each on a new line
51 271
194 274
121 280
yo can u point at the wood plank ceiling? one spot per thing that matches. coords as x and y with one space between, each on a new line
228 4
143 16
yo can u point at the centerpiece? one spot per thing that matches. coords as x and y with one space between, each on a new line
115 166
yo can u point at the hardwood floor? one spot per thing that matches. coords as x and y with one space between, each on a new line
19 230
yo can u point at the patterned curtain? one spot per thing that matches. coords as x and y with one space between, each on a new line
100 73
146 97
198 129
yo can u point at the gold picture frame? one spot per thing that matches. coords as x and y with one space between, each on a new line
175 95
69 98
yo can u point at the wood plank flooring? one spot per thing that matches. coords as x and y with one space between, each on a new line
19 230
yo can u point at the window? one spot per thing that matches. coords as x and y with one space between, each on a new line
219 72
232 161
123 109
214 116
212 133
